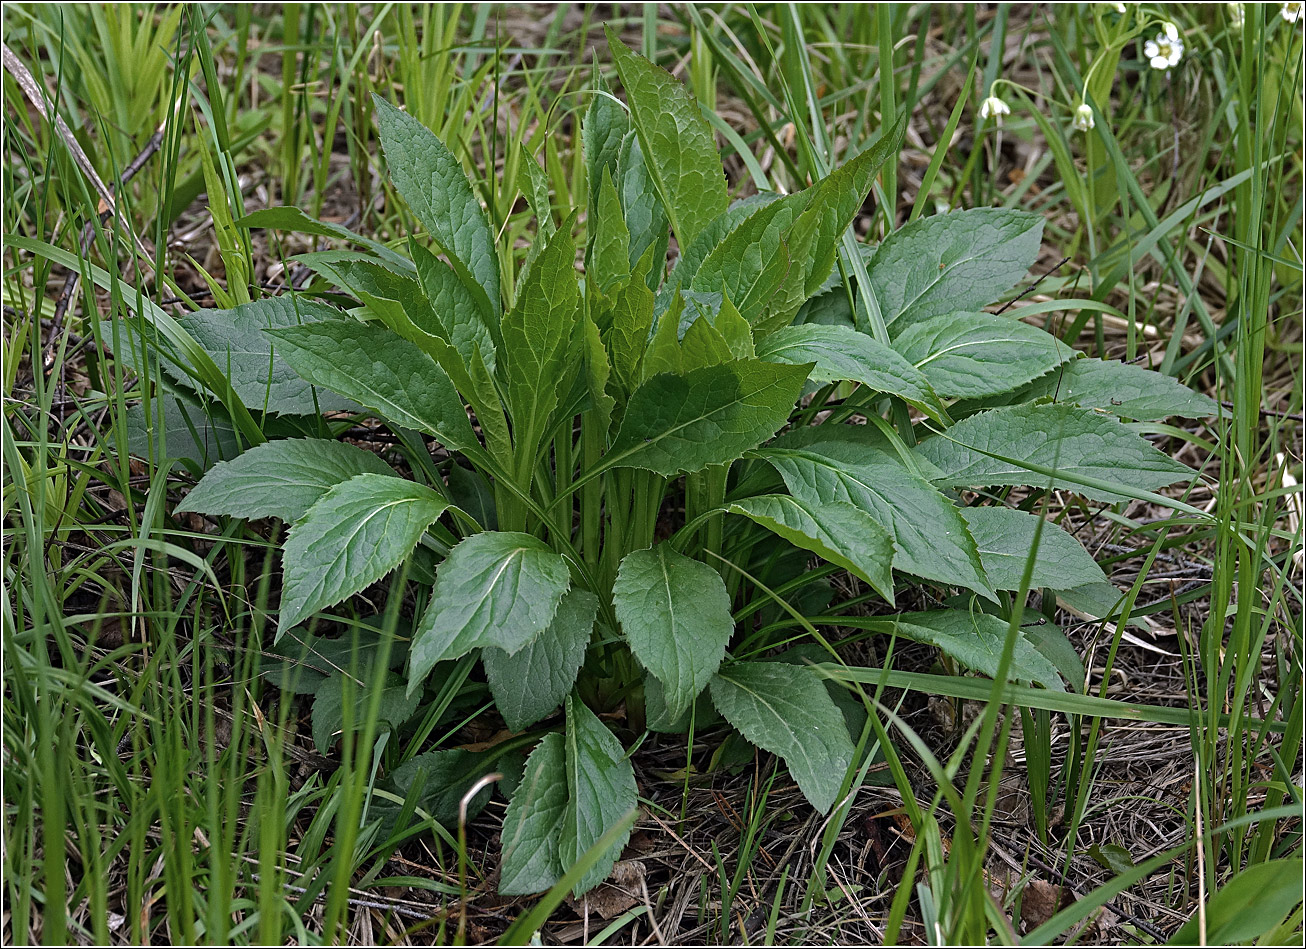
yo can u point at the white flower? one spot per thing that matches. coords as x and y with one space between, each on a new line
1119 8
1236 16
993 107
1083 120
1166 50
1291 11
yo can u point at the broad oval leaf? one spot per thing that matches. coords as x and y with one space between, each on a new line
434 186
601 789
1005 538
712 415
835 531
282 478
994 447
840 353
530 683
968 355
679 145
496 588
354 535
381 371
931 538
675 613
964 260
532 826
235 339
786 710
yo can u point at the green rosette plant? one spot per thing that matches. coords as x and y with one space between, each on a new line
647 472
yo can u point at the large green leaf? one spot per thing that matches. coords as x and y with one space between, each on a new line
968 355
532 682
678 144
1005 538
381 371
843 354
353 535
786 710
646 219
930 536
835 531
281 478
959 261
434 186
497 588
532 826
1131 392
601 788
781 254
540 337
675 613
712 415
993 447
974 639
236 341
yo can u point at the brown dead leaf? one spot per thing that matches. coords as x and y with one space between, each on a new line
1040 901
621 891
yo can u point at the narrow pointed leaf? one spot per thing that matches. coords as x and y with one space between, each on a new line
680 145
433 184
540 336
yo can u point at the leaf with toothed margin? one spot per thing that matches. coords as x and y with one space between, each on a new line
786 710
496 588
675 613
351 537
